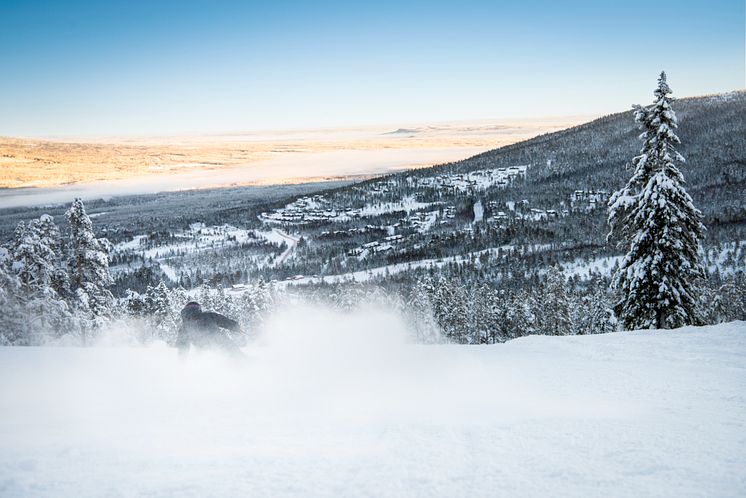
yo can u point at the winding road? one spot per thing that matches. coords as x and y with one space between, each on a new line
291 241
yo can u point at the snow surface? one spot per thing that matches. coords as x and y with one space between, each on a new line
478 211
587 269
340 405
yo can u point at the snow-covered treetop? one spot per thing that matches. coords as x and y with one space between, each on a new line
663 88
657 123
80 223
89 261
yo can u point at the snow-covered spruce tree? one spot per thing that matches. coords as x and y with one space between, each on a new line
592 310
726 302
160 315
88 267
178 297
253 305
420 313
553 306
483 314
451 311
350 297
515 315
214 299
654 218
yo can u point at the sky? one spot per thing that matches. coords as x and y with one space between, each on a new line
145 67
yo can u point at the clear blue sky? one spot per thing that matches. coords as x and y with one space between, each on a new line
139 67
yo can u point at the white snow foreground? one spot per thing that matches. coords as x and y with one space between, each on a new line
340 405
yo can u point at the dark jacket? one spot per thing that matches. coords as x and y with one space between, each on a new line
204 329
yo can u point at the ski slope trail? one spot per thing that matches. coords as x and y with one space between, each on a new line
341 405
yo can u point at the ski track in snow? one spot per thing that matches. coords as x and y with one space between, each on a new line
339 405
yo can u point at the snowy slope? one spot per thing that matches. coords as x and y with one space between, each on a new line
350 409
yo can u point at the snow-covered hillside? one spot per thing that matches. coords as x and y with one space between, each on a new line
339 405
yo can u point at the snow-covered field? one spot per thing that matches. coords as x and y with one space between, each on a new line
199 237
340 405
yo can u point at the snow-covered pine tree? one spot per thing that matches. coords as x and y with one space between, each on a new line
502 308
178 297
134 303
520 318
420 312
89 268
350 297
42 283
724 303
214 299
451 310
592 310
11 319
264 297
36 250
160 314
253 305
553 306
482 304
654 218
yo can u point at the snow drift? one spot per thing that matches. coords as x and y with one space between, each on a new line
333 404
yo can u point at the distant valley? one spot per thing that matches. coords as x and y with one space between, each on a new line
35 171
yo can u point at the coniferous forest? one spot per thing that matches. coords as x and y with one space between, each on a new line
635 220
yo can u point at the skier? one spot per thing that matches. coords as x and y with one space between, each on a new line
205 329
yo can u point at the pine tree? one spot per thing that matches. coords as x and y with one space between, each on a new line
134 303
36 252
178 297
516 316
253 305
451 311
41 281
553 306
11 319
89 268
350 297
211 298
160 313
420 312
655 219
725 302
483 310
592 310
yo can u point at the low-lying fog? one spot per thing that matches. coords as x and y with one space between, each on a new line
295 167
57 170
